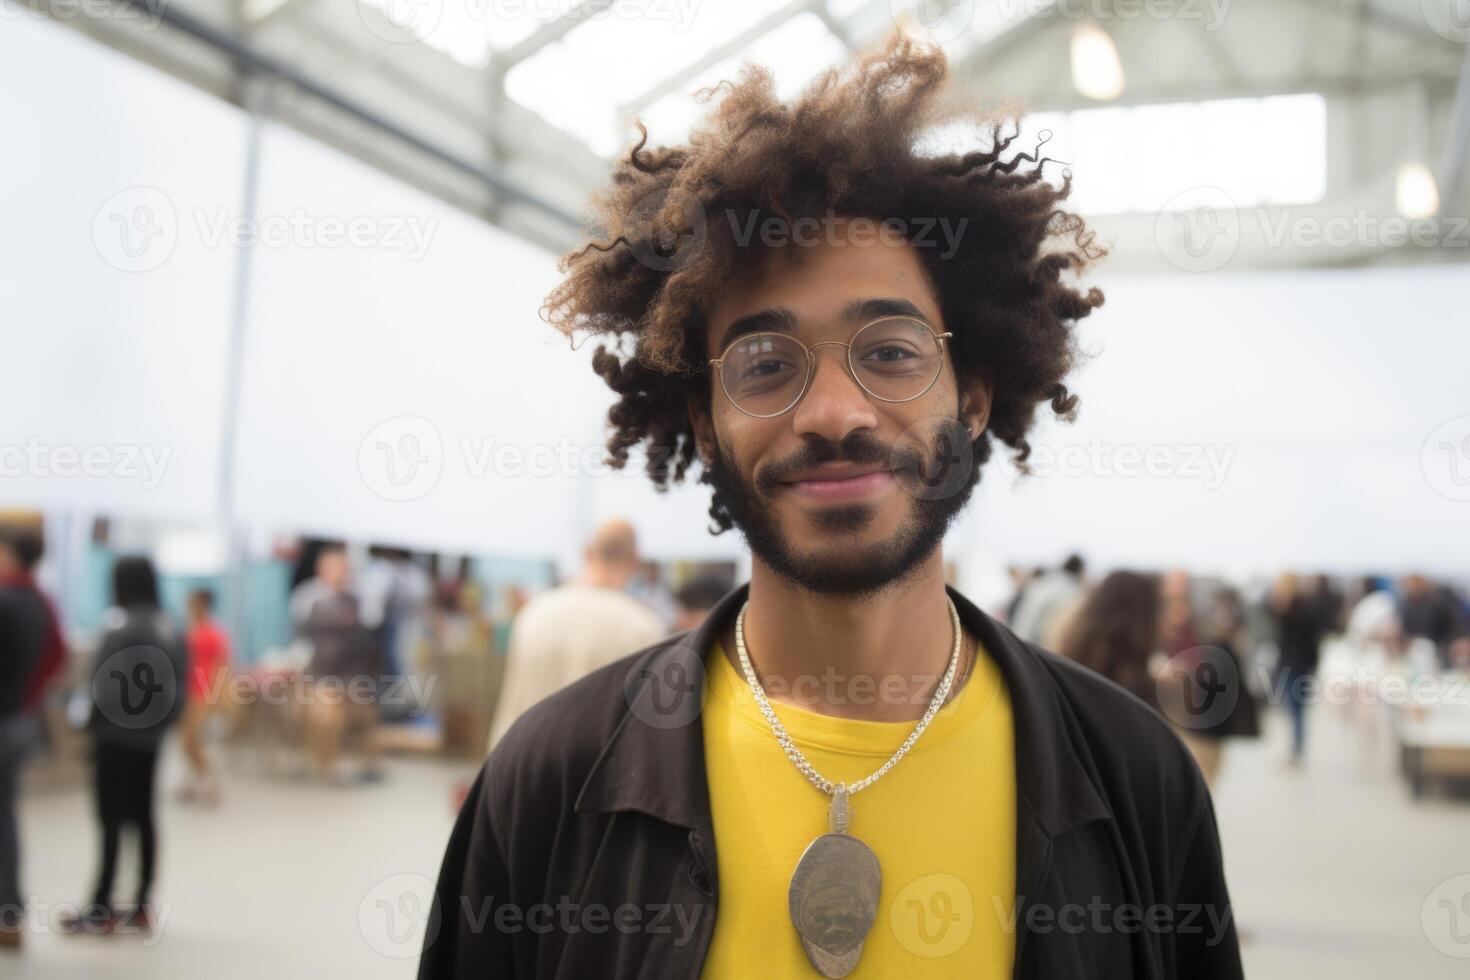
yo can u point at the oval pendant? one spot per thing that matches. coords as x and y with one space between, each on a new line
833 901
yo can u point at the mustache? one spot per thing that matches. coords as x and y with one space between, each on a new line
858 447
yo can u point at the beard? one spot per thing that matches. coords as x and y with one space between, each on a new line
937 474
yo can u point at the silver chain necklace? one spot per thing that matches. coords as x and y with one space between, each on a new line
833 897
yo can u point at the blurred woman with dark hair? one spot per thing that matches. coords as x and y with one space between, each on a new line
137 693
1116 632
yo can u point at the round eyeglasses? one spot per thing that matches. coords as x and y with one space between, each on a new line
894 359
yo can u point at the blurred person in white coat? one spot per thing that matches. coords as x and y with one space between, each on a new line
566 632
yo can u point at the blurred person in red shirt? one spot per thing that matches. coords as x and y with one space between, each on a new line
209 661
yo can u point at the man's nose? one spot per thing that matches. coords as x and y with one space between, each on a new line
834 403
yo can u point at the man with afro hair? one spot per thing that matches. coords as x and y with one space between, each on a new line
848 769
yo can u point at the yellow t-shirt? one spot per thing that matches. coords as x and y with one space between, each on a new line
942 823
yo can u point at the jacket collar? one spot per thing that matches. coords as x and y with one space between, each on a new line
653 762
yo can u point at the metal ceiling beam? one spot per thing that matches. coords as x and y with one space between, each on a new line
256 62
736 44
547 33
1067 99
1456 172
1015 33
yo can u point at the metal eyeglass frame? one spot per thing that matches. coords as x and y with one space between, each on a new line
811 371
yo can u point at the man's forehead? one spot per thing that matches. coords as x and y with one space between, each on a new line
826 278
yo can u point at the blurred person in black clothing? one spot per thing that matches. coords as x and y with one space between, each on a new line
137 692
1299 631
1427 612
1327 603
695 598
23 630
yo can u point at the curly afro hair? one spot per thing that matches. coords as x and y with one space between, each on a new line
851 145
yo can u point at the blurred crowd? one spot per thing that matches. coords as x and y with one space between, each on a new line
390 651
1206 653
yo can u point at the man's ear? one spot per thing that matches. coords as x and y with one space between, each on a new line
976 397
703 424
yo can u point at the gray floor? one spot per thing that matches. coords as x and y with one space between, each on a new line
1331 869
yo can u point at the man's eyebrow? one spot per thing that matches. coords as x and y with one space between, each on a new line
781 319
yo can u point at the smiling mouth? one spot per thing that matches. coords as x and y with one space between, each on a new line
842 488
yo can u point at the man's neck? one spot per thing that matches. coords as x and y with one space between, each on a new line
878 659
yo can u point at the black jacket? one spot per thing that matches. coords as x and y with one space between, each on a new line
585 847
138 679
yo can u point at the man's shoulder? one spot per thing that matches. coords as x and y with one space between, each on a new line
562 735
1133 748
